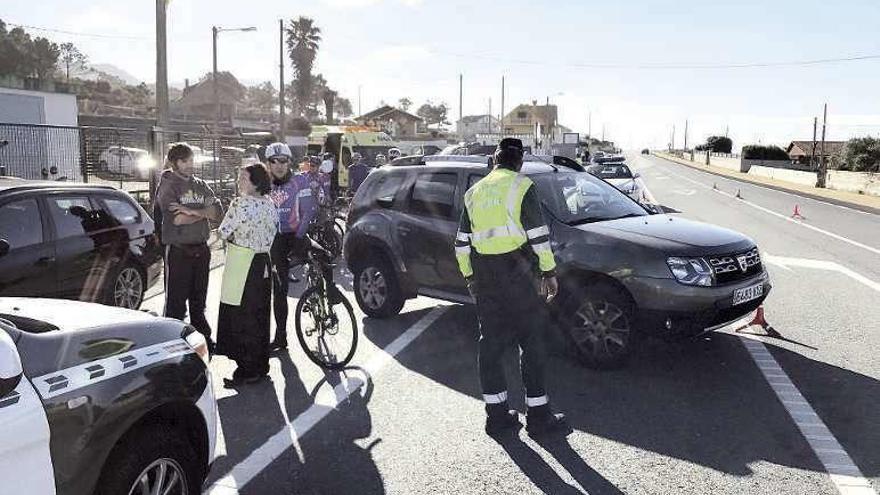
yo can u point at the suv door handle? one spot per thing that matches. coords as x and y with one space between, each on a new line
403 230
45 261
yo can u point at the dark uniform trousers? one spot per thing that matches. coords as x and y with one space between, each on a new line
186 283
283 247
512 316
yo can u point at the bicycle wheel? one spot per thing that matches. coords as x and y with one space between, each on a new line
329 338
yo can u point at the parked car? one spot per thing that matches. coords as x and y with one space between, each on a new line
121 161
109 402
75 241
620 176
623 271
646 151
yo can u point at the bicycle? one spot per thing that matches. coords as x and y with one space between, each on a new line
326 231
325 323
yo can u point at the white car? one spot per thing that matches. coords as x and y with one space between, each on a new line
127 162
620 176
96 400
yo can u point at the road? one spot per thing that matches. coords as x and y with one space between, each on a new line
707 416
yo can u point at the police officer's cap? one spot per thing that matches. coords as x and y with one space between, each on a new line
511 144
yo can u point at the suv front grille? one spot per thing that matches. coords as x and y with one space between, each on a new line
735 267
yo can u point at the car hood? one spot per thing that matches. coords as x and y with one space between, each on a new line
674 235
70 315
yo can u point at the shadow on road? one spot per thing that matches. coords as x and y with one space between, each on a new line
702 401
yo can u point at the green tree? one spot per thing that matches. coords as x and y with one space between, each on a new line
303 41
262 98
404 104
861 155
71 57
44 58
343 107
433 114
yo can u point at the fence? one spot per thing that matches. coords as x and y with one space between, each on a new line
116 156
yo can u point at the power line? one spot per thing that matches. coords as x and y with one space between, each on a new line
88 35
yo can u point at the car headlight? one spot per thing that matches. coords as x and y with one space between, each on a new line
691 271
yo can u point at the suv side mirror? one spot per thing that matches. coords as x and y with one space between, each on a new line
385 202
10 365
4 247
636 175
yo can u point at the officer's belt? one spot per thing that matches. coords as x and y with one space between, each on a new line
503 231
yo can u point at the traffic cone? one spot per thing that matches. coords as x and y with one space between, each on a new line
759 321
738 194
715 186
797 213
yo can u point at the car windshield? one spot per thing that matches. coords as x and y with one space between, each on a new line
611 171
578 197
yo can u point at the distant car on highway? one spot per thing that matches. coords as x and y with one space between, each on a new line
76 241
623 271
100 400
134 163
646 151
620 176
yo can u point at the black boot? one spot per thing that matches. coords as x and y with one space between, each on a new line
542 421
500 420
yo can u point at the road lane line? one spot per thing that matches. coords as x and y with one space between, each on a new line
783 217
840 467
261 457
820 265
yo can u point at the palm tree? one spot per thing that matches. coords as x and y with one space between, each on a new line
303 39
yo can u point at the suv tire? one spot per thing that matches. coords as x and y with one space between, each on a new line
376 287
126 288
601 326
145 452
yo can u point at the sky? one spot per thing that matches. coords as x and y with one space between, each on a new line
633 68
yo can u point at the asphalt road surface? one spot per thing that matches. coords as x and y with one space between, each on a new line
724 414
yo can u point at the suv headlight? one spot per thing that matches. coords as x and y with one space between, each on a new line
691 271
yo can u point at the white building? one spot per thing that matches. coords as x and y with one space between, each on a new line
40 135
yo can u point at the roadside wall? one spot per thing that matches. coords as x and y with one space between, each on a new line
793 176
747 164
857 182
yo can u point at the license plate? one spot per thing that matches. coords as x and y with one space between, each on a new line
747 294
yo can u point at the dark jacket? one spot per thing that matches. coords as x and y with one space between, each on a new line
190 192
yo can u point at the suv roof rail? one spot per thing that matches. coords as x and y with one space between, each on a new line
483 160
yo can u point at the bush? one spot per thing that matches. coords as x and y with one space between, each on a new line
761 152
860 155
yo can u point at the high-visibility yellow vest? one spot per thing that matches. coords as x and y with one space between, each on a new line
494 206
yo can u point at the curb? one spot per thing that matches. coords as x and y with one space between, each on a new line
796 192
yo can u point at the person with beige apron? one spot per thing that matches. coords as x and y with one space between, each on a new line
249 228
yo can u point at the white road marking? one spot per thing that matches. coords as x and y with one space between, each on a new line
277 444
787 263
783 217
843 472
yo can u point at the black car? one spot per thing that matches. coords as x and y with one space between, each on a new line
102 400
75 241
622 269
646 151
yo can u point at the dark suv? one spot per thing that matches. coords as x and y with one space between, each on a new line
622 269
75 241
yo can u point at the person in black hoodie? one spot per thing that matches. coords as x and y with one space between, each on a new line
185 206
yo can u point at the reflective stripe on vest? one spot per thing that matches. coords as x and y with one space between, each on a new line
494 205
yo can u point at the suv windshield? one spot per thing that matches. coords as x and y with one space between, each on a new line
578 197
611 171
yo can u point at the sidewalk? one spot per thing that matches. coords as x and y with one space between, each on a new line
870 204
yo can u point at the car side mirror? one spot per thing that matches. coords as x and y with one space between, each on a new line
636 175
385 202
10 365
4 247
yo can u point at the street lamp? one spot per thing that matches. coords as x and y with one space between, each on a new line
215 30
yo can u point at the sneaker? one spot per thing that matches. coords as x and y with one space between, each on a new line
547 424
496 425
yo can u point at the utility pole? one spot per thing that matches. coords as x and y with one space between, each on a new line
823 167
490 117
590 123
672 143
502 105
460 106
359 101
685 134
603 132
282 123
813 151
161 65
214 30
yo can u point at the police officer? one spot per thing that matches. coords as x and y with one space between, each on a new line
502 239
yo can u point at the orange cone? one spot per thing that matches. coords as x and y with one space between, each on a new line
797 213
738 195
759 321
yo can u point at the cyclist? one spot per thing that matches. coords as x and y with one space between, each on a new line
357 173
394 153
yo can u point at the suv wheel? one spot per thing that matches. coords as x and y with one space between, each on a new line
126 290
601 327
376 287
152 460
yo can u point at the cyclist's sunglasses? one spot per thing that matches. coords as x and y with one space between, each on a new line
279 160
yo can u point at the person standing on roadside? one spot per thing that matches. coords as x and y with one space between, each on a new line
249 228
186 206
287 194
502 241
357 173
